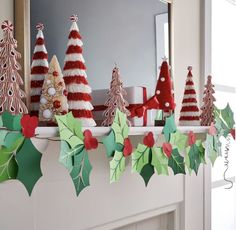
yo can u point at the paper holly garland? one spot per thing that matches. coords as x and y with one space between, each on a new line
19 159
118 145
74 146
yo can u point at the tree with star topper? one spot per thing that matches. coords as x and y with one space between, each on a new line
75 77
53 100
207 115
115 99
10 80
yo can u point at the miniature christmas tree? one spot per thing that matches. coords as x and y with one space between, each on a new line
75 77
189 114
11 94
164 89
115 99
39 69
207 115
53 100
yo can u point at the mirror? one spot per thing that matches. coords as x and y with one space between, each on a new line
132 33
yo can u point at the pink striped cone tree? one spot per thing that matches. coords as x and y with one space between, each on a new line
11 94
75 77
39 69
189 114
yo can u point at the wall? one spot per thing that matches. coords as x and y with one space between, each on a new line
113 31
53 204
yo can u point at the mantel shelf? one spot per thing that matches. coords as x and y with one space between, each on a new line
134 131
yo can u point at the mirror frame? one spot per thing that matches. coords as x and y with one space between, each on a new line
23 36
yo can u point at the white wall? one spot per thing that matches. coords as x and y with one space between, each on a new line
53 204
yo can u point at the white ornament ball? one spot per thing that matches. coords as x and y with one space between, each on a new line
158 92
48 82
47 114
167 104
51 91
162 79
43 100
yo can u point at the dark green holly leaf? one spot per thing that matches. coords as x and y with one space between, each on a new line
81 170
170 127
28 159
147 172
176 162
195 157
11 122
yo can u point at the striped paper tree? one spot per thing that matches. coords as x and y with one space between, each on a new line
39 69
189 114
75 77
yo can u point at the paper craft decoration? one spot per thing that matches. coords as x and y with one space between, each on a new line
75 77
19 159
189 114
10 80
74 146
53 100
39 69
207 115
29 124
115 99
164 89
118 145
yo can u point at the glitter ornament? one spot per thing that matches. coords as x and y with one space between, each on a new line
47 114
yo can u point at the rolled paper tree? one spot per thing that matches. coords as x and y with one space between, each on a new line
189 114
75 77
53 100
207 114
115 99
10 80
39 69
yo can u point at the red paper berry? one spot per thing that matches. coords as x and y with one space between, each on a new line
167 149
55 74
149 140
29 124
90 142
56 104
127 147
191 138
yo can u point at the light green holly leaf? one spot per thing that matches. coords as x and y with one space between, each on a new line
159 161
11 138
1 123
140 158
3 134
187 161
117 166
29 160
11 122
178 140
70 130
176 162
170 127
81 170
147 172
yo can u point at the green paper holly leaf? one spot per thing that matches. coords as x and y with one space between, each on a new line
170 127
3 134
147 172
195 157
111 145
11 138
160 161
70 130
117 166
11 122
140 158
120 127
176 162
212 147
8 165
178 140
224 120
81 170
28 159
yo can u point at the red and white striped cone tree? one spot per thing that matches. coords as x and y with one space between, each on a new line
39 69
11 94
189 114
75 77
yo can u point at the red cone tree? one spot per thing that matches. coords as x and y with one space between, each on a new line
75 77
39 69
11 94
115 99
207 115
189 114
164 89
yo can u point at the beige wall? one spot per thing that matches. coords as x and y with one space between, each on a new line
6 11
